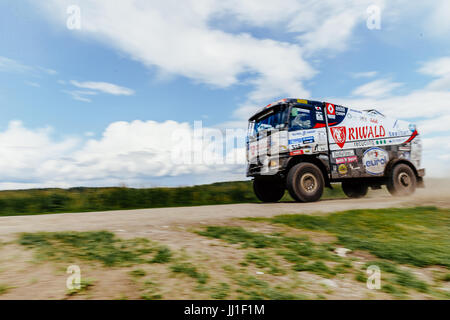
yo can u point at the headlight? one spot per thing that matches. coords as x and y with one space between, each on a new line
273 163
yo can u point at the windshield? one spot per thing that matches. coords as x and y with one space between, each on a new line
274 120
300 119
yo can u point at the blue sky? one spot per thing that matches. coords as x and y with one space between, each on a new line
75 104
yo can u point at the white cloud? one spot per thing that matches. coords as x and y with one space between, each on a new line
137 153
14 66
104 87
11 65
179 40
368 74
376 88
80 95
186 40
440 69
33 84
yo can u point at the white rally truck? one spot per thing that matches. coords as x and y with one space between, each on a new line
303 146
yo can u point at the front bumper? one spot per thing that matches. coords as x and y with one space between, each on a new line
266 167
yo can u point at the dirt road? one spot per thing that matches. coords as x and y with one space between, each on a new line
132 223
22 278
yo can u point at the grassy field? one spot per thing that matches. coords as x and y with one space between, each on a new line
41 201
284 257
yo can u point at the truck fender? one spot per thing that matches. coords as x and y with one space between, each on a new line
393 162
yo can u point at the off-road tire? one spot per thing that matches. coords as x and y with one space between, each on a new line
268 190
354 189
402 181
305 182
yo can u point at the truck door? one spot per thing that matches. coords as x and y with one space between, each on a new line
307 130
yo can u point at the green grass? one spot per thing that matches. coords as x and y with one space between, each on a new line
418 236
401 277
252 288
85 285
239 235
151 291
221 291
191 271
138 273
163 255
303 254
101 246
264 261
317 267
80 199
4 289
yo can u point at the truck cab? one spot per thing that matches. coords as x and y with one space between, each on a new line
304 145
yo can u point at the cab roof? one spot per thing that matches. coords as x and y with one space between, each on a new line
284 101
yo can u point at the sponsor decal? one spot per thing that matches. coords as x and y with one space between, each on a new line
343 134
346 159
300 151
308 140
319 116
339 135
322 136
331 111
405 148
399 133
363 143
366 132
343 153
293 141
375 160
382 141
295 152
342 169
352 159
301 132
296 141
405 155
320 148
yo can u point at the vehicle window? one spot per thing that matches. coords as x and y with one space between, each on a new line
273 121
300 119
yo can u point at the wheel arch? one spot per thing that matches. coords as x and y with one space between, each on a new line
311 159
391 164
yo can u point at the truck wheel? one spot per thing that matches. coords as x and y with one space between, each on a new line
305 182
354 190
267 190
402 181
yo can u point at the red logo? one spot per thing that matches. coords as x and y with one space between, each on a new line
339 135
331 109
